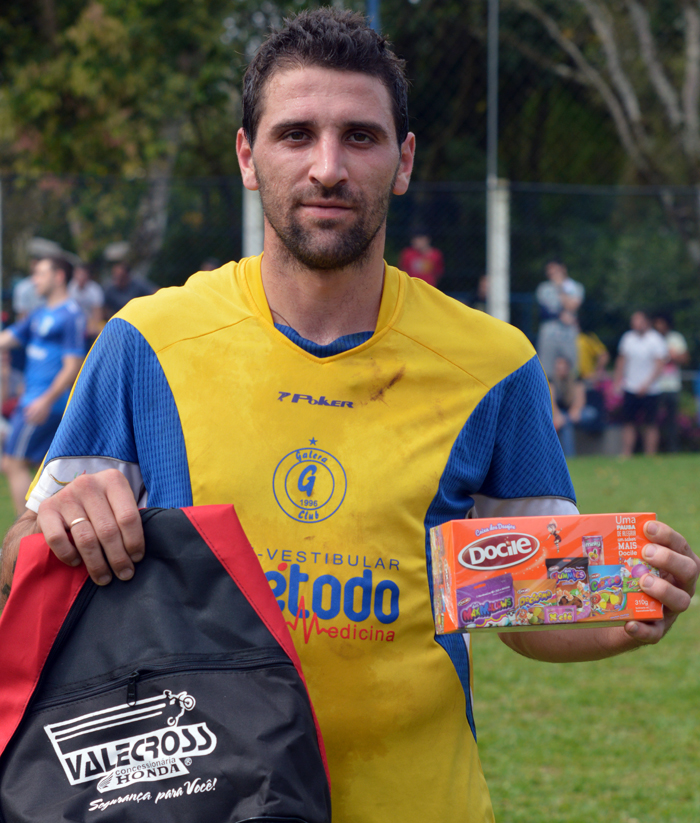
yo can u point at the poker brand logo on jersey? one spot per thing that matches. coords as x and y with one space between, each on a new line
128 744
309 484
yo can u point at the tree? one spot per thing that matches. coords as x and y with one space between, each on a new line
119 87
641 63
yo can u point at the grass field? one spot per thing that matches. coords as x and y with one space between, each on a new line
615 741
611 742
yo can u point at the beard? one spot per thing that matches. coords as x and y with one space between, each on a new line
328 245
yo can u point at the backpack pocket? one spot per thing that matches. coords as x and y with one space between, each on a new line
212 740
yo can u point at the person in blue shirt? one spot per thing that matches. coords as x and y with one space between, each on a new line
53 337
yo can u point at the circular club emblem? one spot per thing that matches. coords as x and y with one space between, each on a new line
309 485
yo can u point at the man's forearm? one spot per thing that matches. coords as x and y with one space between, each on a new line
570 646
23 526
64 379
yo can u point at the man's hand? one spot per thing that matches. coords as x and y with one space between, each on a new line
95 519
37 412
668 552
679 566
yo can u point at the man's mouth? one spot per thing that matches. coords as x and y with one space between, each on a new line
326 208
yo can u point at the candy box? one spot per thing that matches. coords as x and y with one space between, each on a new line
521 573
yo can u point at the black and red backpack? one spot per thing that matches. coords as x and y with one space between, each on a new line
177 696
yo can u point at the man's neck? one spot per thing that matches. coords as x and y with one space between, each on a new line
56 297
323 305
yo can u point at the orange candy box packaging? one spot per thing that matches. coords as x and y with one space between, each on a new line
522 573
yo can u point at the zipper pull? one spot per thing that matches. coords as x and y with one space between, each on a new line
131 688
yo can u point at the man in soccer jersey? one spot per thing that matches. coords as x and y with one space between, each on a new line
343 408
53 337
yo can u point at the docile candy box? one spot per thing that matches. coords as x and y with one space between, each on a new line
521 573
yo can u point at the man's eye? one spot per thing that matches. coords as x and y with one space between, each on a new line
360 137
296 136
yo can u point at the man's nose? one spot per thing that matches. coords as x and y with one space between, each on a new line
328 162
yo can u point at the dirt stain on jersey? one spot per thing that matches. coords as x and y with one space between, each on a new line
379 394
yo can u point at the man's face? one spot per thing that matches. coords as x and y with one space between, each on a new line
556 272
120 274
326 161
661 326
44 277
640 322
81 275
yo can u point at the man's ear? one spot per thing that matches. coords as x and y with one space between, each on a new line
245 161
408 152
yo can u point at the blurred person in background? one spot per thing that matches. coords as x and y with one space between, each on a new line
89 296
642 355
24 295
421 260
122 287
593 357
569 406
24 301
559 299
670 380
53 337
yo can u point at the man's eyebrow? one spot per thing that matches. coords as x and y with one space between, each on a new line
359 125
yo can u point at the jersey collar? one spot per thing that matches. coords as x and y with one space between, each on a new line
389 308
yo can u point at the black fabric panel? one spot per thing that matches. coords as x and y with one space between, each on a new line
181 591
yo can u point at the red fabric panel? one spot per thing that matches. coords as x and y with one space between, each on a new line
221 529
43 591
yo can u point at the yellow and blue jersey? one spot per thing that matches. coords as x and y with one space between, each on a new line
338 460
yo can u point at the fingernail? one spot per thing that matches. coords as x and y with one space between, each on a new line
102 581
632 628
652 527
648 552
76 562
647 581
126 574
137 558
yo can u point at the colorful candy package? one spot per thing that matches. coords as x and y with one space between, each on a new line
520 573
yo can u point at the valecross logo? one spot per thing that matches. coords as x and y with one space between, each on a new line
499 551
147 743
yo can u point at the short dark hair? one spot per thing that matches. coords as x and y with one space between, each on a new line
666 316
331 38
61 264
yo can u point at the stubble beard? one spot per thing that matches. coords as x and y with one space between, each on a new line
326 247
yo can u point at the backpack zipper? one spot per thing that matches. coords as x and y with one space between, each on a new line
245 662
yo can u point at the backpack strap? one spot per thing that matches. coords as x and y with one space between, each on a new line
43 589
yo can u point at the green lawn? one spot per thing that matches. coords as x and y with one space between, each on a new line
614 741
7 512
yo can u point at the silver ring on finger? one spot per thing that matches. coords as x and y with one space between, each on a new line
78 520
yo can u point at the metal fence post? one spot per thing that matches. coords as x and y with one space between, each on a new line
253 225
498 249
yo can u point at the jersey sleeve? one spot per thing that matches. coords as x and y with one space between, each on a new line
527 465
121 415
20 330
507 459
